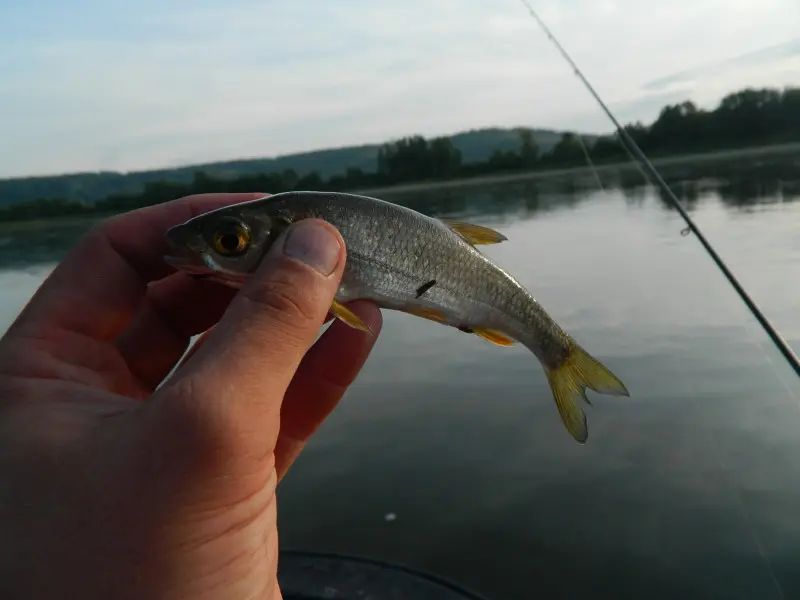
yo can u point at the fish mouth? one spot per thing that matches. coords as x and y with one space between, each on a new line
182 256
188 264
202 267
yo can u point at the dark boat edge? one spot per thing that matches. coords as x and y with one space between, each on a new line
305 575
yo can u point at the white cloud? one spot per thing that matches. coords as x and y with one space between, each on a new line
113 88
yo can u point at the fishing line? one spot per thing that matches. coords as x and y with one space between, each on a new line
633 149
646 167
589 160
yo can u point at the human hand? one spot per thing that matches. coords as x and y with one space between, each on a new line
114 487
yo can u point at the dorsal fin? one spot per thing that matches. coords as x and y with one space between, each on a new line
476 235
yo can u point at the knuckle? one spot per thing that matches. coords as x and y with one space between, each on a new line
284 300
197 417
209 423
103 233
102 226
98 232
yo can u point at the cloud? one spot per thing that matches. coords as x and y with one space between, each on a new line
112 85
769 57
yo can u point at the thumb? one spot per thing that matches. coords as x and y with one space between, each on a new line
234 384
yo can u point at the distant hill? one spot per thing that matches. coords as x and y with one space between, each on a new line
475 145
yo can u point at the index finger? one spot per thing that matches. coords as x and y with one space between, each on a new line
97 289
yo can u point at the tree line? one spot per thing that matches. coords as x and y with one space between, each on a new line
749 117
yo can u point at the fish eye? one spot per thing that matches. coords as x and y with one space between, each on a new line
231 238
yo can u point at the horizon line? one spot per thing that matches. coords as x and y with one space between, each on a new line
297 153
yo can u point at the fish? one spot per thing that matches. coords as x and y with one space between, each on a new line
406 261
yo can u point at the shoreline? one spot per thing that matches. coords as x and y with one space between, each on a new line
665 161
424 186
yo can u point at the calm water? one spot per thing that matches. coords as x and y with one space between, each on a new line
690 488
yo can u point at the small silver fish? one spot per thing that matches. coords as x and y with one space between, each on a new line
406 261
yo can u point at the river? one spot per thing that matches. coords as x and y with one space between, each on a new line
448 455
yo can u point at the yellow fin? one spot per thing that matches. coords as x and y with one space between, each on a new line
428 313
569 382
475 234
341 312
494 336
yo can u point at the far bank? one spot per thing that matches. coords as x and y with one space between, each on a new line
688 160
665 161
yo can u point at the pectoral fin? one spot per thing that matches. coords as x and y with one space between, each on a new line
341 312
476 235
494 336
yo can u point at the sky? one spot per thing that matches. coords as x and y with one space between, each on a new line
93 85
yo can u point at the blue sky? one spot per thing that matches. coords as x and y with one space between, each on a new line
106 84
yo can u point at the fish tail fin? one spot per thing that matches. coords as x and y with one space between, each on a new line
568 382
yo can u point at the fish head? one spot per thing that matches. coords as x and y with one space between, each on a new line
224 245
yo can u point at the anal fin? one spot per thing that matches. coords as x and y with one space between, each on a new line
494 336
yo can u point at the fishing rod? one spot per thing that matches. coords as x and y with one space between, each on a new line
648 167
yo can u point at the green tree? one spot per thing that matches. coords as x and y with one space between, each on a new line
567 152
747 117
529 150
445 159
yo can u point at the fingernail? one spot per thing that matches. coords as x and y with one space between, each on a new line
314 244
